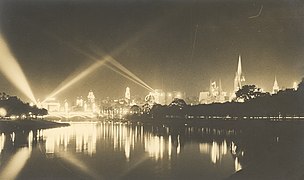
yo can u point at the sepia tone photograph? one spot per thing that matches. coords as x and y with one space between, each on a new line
152 89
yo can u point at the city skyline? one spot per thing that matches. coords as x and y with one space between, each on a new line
169 45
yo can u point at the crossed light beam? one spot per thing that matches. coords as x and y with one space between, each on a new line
98 63
116 66
77 78
11 69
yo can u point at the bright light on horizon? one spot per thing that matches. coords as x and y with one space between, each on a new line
11 69
128 77
129 74
125 72
78 77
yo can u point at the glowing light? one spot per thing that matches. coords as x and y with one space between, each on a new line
237 165
169 147
3 112
295 85
127 149
12 70
67 83
130 78
77 163
2 141
215 152
15 165
129 73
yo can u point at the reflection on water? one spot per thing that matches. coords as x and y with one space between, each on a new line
109 150
15 164
83 135
215 150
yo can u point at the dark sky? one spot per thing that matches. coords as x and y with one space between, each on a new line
173 45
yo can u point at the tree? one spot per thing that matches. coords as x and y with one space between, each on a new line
301 85
249 92
135 109
178 102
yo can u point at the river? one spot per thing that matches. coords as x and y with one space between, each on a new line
124 150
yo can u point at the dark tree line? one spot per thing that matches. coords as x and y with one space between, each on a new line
14 106
250 101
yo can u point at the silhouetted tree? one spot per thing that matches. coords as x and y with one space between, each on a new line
301 85
249 92
178 102
14 106
135 109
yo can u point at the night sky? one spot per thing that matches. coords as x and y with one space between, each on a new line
171 45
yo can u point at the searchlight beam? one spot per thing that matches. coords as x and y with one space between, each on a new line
11 69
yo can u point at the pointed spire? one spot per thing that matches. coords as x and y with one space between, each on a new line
239 78
275 81
239 70
275 87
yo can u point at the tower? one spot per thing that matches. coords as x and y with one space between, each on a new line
127 94
275 88
239 77
91 97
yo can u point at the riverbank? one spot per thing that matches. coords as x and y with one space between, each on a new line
28 125
220 123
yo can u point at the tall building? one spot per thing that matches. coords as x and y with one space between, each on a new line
275 88
91 97
215 94
127 94
239 77
79 101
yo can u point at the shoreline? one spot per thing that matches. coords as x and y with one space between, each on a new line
217 123
8 126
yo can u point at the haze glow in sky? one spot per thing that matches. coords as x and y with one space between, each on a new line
182 44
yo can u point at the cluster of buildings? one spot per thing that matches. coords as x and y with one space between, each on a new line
215 94
159 96
81 104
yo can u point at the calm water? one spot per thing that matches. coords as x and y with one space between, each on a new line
110 150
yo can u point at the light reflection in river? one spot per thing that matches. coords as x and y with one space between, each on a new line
16 163
215 150
122 148
2 141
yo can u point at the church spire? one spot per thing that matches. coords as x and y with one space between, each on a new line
275 87
239 78
239 69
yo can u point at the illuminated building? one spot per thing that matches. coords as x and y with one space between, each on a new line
275 88
87 106
79 101
215 94
91 97
127 94
90 106
51 105
173 95
159 96
66 106
239 77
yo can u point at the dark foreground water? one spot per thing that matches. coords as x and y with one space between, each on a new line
108 150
